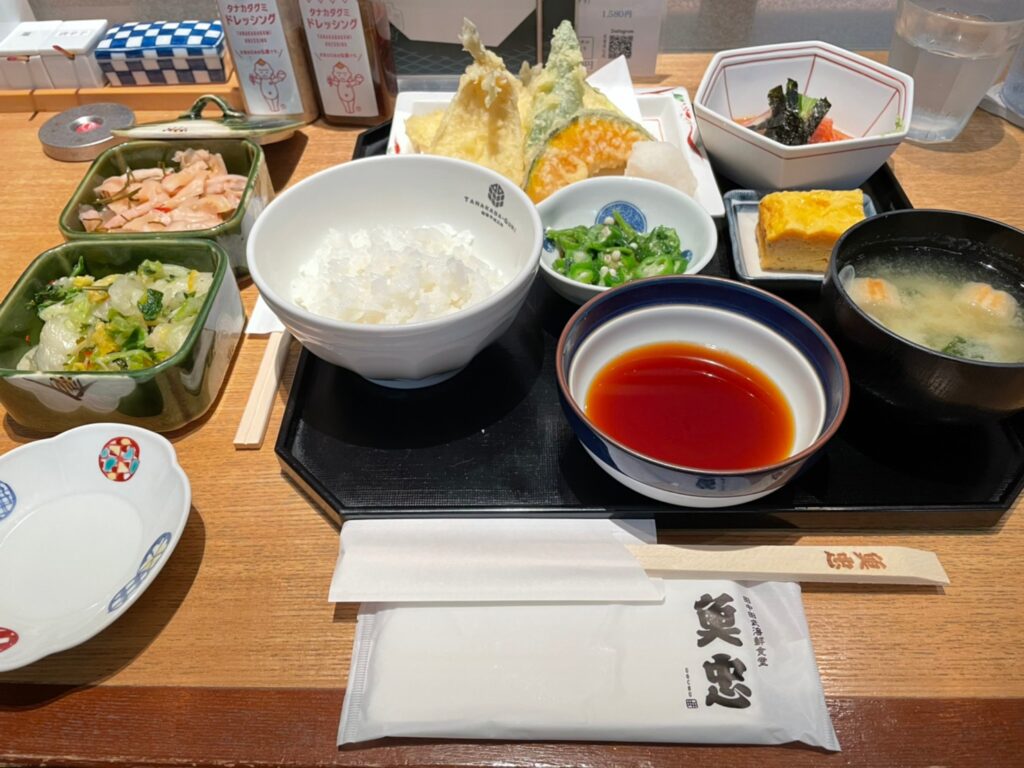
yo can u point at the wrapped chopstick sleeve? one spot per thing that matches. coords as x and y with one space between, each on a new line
716 662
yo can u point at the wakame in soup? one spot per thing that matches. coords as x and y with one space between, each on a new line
968 311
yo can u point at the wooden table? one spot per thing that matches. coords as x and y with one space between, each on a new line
233 656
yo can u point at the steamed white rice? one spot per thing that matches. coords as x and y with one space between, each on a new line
394 275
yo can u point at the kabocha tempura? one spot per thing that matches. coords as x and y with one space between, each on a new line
543 130
121 322
199 195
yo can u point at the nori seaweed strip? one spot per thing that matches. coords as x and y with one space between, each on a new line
788 125
785 126
777 102
792 96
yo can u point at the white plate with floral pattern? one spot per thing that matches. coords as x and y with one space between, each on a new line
87 520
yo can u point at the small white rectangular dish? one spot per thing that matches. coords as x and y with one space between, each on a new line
666 112
741 212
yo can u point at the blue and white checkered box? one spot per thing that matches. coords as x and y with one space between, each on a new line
164 52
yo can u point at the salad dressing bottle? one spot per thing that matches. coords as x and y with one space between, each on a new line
270 57
353 65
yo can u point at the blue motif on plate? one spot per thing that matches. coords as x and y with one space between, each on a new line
152 557
629 213
8 500
155 552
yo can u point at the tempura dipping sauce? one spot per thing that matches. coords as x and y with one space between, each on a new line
694 406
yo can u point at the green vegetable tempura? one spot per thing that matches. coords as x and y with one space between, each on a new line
121 322
612 253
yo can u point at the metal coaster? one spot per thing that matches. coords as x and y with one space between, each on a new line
82 133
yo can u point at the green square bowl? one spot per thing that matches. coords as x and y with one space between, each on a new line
161 398
241 156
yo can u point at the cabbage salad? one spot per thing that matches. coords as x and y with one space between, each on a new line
121 322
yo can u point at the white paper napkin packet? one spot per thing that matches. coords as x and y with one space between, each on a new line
263 320
715 662
480 560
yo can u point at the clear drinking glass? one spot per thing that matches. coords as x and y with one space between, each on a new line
954 50
1013 88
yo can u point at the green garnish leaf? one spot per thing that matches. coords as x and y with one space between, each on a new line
79 267
189 308
152 269
151 304
50 295
958 346
127 360
125 332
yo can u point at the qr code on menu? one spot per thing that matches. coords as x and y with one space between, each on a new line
620 45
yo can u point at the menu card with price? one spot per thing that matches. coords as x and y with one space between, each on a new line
608 29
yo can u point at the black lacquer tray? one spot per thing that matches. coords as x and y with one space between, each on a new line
493 441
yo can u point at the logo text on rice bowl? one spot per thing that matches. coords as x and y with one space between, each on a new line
496 198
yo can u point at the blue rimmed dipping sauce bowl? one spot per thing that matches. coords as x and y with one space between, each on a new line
753 325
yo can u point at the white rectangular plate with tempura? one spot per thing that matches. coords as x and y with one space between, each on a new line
741 212
667 114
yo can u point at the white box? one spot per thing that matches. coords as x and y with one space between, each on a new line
78 38
425 34
439 21
12 13
20 61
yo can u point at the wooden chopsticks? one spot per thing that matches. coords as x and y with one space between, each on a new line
253 426
855 564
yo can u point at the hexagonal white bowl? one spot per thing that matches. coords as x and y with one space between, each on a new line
870 101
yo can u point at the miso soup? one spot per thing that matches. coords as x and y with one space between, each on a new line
968 311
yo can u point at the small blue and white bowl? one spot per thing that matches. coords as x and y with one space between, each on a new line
643 203
752 324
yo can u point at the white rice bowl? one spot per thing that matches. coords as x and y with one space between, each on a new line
399 314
